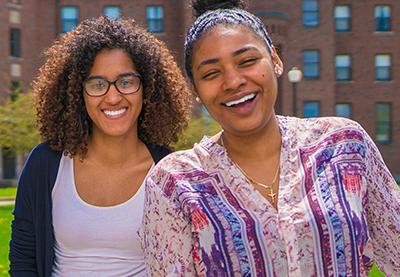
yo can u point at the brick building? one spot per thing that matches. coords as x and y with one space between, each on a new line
345 49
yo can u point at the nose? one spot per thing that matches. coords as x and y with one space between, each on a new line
113 96
233 80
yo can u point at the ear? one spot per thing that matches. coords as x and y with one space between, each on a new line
195 93
277 62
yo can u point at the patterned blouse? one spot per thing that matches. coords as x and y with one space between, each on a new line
338 209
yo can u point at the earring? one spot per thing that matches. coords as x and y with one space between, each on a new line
278 71
198 100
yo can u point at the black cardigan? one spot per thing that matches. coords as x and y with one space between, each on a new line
32 238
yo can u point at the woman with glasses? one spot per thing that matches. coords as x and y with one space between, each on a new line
110 100
269 195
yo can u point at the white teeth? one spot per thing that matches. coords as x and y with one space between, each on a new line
241 100
114 113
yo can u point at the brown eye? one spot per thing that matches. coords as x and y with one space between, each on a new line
248 62
96 84
210 75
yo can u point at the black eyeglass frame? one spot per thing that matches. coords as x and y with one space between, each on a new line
113 83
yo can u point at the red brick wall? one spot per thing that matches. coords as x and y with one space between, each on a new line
40 26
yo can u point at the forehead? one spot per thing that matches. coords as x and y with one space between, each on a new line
225 38
112 62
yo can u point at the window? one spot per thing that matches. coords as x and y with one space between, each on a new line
343 110
342 19
311 64
69 18
343 67
383 123
382 68
15 89
15 42
311 109
382 18
155 19
113 12
310 13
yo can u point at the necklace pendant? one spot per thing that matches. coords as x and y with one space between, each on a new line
272 195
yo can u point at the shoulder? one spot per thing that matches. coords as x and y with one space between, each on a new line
43 152
309 130
41 166
42 156
175 171
177 163
328 124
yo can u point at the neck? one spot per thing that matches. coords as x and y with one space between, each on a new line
114 151
260 146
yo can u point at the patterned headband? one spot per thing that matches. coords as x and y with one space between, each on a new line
212 18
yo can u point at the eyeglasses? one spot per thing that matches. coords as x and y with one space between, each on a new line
125 84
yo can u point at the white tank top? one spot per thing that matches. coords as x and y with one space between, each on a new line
92 240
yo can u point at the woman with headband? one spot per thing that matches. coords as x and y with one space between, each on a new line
268 195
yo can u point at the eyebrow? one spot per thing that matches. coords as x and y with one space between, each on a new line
119 76
234 54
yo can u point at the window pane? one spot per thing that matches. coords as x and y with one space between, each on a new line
343 67
382 18
382 67
343 110
155 19
342 18
383 123
382 60
310 13
342 60
15 42
69 13
311 109
342 24
311 64
382 11
69 18
342 11
112 12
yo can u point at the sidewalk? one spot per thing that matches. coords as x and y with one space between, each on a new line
5 201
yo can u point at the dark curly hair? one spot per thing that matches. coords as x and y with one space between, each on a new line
58 89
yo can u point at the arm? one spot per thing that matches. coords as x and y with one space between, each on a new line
22 245
383 212
166 236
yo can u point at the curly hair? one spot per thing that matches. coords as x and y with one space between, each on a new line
58 89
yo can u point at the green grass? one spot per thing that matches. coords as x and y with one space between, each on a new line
5 235
7 192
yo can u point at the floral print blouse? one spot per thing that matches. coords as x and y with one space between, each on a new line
338 209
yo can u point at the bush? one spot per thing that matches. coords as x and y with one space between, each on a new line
18 131
197 128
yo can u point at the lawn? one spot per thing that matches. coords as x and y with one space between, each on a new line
7 192
5 234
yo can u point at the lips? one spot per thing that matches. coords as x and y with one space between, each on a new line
246 98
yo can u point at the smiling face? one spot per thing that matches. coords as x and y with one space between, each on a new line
235 77
113 114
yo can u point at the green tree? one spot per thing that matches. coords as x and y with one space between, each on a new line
18 130
197 128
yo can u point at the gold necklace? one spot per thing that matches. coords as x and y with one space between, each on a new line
270 188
